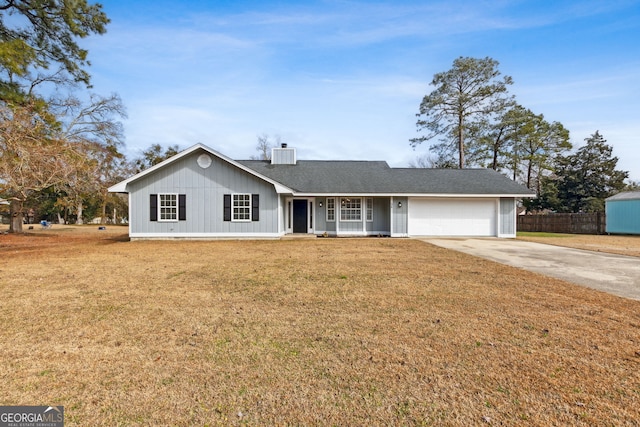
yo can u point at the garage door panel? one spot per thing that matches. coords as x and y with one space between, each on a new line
459 217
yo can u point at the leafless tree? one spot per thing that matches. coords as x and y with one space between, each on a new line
264 146
32 157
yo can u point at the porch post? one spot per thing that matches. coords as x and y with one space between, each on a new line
391 215
363 214
338 207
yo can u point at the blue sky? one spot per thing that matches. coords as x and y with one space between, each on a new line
344 79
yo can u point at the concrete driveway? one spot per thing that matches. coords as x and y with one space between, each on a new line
616 274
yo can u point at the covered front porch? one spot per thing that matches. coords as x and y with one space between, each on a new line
353 215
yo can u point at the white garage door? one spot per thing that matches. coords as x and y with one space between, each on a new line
458 217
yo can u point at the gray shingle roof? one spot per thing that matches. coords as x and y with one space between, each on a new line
376 177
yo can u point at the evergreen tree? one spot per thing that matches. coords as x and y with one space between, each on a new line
585 179
154 155
470 91
38 42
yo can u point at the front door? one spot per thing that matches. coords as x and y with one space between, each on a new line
300 216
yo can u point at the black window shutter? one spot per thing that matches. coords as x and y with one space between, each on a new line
227 207
255 207
153 207
182 207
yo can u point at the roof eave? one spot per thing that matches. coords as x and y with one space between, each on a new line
120 187
448 195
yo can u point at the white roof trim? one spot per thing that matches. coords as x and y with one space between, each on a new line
121 187
433 195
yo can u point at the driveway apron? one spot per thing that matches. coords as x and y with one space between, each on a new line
616 274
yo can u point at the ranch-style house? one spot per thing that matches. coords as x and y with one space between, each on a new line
200 193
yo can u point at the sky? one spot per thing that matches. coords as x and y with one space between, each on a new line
344 79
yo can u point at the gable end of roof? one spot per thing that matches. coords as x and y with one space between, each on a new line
121 187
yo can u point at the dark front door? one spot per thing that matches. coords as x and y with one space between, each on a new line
300 216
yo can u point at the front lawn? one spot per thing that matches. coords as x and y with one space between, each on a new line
305 332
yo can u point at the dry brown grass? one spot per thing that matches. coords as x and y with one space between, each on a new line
613 244
325 331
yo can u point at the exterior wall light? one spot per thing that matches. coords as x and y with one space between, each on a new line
320 204
399 204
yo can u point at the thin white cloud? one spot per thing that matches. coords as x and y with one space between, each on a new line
154 45
351 23
341 79
344 24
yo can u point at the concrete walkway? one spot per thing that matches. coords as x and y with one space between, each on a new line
616 274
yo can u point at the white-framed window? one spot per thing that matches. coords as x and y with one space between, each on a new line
369 206
241 207
350 209
167 207
331 209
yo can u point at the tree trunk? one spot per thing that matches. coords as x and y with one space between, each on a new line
103 216
15 210
79 213
496 150
60 219
461 141
538 183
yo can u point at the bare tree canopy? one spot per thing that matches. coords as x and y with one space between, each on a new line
32 157
94 121
430 161
95 132
65 144
264 145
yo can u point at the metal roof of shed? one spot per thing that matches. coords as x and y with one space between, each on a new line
625 195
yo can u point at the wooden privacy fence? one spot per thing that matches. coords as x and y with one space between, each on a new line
575 223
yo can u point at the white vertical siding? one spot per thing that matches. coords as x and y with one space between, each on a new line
507 217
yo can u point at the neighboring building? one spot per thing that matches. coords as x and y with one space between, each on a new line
4 211
623 213
200 193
